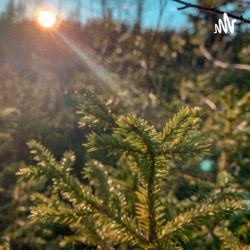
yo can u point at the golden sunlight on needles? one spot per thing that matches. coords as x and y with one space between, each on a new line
46 18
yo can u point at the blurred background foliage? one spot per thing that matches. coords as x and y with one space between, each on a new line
152 73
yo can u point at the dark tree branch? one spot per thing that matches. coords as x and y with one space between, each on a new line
210 9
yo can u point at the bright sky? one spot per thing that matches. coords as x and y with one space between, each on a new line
172 18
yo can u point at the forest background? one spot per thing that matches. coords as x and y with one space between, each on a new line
149 72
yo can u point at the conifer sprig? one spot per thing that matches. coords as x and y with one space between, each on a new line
100 211
194 219
80 197
94 111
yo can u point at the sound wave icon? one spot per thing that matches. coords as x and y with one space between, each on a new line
224 25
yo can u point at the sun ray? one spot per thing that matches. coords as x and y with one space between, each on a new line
47 19
92 64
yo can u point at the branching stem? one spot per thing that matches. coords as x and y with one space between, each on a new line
210 9
150 192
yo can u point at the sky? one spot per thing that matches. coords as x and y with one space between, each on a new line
171 19
123 10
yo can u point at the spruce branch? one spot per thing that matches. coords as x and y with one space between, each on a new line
151 199
180 227
115 224
229 240
181 137
72 191
95 111
46 162
112 143
183 122
101 212
45 213
141 134
210 10
99 179
141 141
138 133
105 187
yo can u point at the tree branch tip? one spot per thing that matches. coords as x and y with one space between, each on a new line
182 8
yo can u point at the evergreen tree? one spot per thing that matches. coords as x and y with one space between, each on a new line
127 204
9 15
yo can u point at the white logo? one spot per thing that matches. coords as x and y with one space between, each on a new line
226 25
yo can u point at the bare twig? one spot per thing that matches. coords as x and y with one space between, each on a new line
208 102
163 4
211 10
221 64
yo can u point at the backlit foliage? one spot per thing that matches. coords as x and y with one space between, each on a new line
104 209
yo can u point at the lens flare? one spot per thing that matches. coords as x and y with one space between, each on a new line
92 64
206 165
46 18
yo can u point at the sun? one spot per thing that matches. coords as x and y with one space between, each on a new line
46 18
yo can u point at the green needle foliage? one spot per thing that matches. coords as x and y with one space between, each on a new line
125 204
